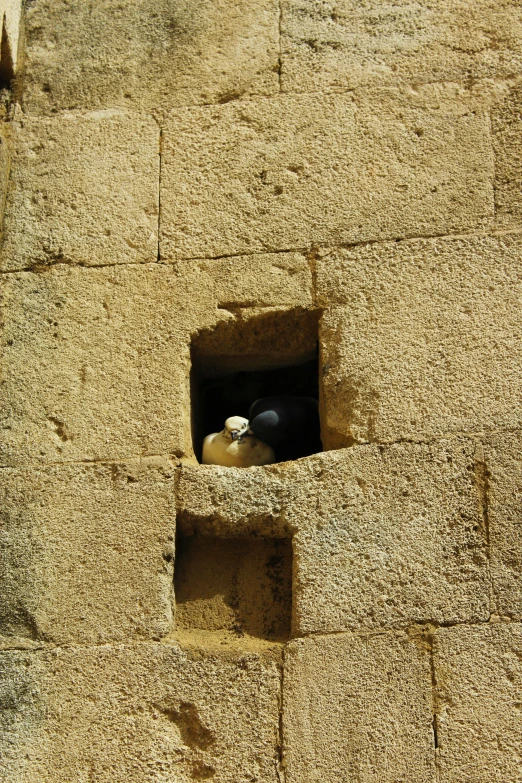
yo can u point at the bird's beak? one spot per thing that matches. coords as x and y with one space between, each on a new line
234 434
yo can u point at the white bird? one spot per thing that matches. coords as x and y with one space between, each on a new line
234 448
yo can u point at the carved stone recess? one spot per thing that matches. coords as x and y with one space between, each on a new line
10 13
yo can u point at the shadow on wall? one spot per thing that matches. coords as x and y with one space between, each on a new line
255 356
238 585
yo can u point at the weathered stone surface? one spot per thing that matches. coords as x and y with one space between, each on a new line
503 491
83 190
217 501
87 551
347 43
145 712
287 172
292 142
421 339
506 126
5 168
82 358
396 537
479 724
382 537
358 708
148 54
234 584
96 362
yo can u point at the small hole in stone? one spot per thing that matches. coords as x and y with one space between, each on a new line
258 356
242 586
6 58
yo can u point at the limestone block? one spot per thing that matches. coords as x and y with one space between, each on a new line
268 280
149 54
358 708
395 536
235 502
503 489
10 13
478 673
144 712
87 551
348 43
82 358
382 537
421 339
5 168
96 362
83 190
287 172
506 126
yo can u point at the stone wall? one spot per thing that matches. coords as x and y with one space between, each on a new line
250 178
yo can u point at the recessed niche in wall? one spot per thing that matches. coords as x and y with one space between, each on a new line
239 585
6 59
253 356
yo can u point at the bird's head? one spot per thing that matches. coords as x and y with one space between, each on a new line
267 427
235 427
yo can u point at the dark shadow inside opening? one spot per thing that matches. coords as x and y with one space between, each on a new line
6 59
235 364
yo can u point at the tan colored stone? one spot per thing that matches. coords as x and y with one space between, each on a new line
394 537
96 362
506 126
234 584
148 53
381 536
83 190
346 43
421 339
234 502
145 712
5 168
479 680
291 141
503 492
81 365
287 172
358 708
87 551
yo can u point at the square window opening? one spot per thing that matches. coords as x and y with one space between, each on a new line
269 355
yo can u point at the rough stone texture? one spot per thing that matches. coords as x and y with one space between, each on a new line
358 708
143 713
401 535
506 125
288 172
381 537
149 54
172 212
5 169
422 339
234 584
479 724
83 190
503 462
97 361
346 43
87 551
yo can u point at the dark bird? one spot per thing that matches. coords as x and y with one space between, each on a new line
289 424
